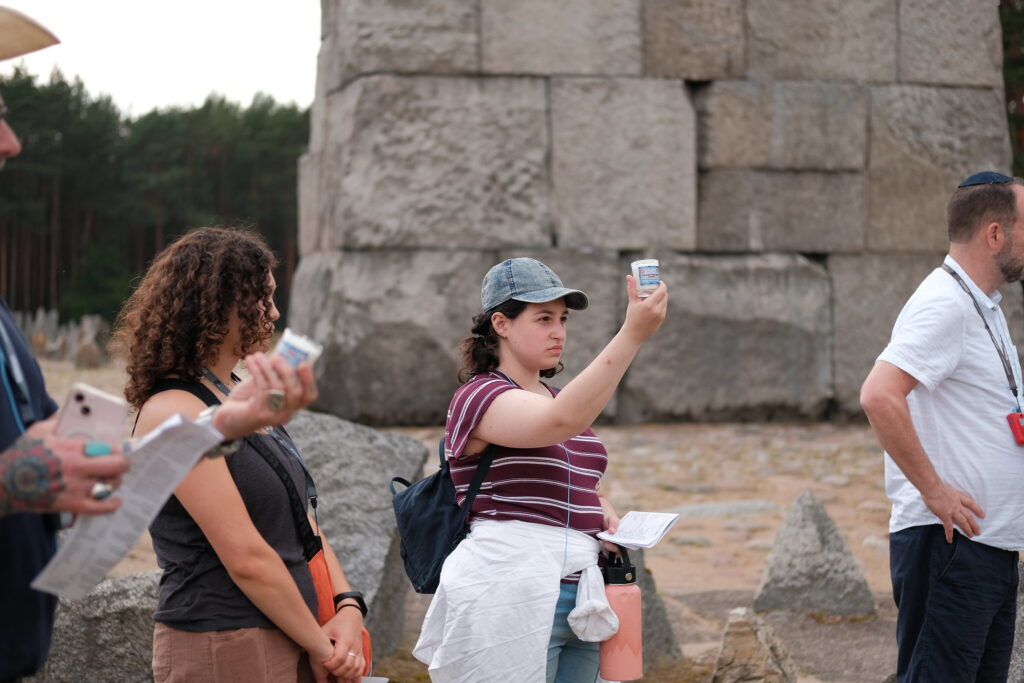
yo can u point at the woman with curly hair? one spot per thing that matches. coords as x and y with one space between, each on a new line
236 601
521 598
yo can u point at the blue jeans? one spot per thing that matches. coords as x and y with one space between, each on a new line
570 660
957 604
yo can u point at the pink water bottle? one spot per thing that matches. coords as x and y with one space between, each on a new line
622 655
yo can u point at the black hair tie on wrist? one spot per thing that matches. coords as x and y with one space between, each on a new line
354 595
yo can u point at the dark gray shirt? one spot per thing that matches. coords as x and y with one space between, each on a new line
196 592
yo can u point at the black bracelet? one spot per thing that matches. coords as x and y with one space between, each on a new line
347 604
350 595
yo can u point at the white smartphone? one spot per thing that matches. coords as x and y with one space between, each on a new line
91 414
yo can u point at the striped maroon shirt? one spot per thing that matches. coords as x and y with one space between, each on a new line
553 485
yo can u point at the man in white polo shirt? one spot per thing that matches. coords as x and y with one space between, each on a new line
944 400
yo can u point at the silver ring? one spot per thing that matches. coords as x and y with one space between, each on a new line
275 399
101 490
353 654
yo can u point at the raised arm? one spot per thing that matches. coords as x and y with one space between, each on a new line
884 400
522 419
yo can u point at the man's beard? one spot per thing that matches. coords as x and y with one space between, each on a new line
1011 270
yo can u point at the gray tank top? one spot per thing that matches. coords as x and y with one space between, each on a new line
196 592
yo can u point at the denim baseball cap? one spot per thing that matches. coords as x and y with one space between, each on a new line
529 280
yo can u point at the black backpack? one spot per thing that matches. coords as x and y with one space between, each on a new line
430 523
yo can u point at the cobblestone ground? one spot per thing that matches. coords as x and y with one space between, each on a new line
709 564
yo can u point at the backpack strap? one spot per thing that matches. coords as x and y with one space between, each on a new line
193 387
478 477
311 542
197 389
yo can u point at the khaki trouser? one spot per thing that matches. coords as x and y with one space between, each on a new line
253 655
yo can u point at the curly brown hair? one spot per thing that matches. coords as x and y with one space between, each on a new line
177 318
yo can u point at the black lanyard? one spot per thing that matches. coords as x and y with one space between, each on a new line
1000 348
283 442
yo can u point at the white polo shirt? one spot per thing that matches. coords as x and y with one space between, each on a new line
959 407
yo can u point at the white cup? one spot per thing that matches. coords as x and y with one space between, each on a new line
647 275
297 349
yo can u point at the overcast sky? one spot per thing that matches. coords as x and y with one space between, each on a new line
147 54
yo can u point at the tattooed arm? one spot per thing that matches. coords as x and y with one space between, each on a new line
41 472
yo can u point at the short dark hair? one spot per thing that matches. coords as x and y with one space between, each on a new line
480 349
975 205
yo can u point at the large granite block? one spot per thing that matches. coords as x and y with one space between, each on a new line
747 338
390 323
395 36
105 636
586 37
829 39
951 42
916 161
698 40
869 291
624 162
786 125
439 162
747 210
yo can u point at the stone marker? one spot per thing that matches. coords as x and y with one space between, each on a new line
107 636
810 569
751 652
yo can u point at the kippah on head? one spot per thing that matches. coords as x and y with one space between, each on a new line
985 178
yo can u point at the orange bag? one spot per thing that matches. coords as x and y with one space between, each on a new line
312 545
325 604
